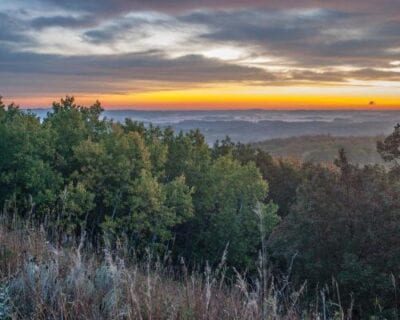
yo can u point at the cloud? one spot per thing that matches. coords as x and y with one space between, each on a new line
373 74
365 74
123 27
370 6
11 29
116 72
311 38
134 72
62 21
125 45
107 7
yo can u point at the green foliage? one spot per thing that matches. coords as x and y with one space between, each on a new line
227 214
234 193
27 178
71 124
76 202
150 186
283 176
344 225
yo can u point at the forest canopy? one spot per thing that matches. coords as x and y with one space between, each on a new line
85 173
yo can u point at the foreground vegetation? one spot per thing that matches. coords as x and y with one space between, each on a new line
240 234
43 281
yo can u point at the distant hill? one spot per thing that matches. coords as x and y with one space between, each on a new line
324 148
258 125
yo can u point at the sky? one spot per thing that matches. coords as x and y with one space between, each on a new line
202 54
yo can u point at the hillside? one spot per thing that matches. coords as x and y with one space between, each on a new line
324 148
247 126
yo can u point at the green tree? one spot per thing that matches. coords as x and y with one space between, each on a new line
109 169
75 204
71 124
283 176
226 215
344 225
28 182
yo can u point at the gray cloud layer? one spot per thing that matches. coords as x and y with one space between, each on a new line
85 72
107 6
62 21
324 38
316 39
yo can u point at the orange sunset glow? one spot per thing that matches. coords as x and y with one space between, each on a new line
210 99
224 55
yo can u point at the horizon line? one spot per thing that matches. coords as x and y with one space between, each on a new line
207 109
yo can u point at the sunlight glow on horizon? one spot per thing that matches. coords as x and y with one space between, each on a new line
197 100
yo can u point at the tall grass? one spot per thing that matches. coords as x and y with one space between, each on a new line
40 280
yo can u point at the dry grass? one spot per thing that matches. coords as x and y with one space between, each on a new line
45 282
40 280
